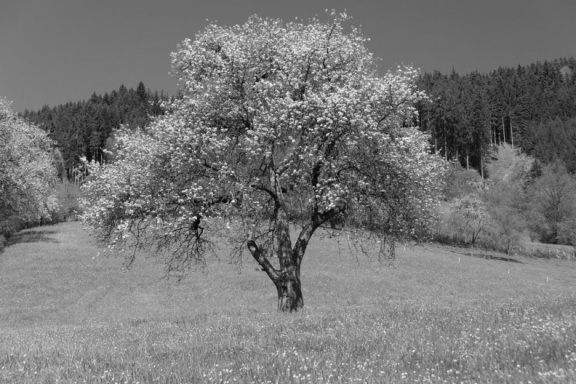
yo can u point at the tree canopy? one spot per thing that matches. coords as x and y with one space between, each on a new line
278 125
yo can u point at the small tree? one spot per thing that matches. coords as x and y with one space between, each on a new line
505 205
553 201
472 215
278 124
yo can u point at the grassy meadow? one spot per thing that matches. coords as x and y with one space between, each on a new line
69 313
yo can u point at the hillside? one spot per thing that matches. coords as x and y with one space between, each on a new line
68 313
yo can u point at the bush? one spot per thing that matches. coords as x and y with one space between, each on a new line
10 226
3 242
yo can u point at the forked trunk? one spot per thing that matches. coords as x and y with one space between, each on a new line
287 277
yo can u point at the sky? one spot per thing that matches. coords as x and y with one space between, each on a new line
56 51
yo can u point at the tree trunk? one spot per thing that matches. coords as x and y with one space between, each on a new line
445 146
287 277
511 134
467 161
493 135
457 162
286 280
290 297
504 130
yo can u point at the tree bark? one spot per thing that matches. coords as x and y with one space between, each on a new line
492 140
288 284
286 280
290 297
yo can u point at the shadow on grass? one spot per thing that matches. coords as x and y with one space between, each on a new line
32 237
501 258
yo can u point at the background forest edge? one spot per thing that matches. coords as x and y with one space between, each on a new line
532 108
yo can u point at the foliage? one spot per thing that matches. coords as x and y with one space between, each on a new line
277 124
553 202
518 200
27 172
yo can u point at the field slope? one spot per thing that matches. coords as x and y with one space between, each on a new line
69 313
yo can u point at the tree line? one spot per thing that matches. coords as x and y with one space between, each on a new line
85 128
530 107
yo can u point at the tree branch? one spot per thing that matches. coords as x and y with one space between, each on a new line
268 191
263 261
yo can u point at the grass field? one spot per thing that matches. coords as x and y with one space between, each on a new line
70 314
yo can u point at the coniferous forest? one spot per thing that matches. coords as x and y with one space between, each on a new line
469 117
85 128
530 107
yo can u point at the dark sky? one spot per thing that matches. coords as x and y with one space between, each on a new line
55 51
